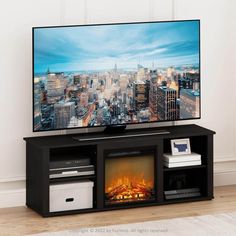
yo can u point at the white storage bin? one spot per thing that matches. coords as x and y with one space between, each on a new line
71 196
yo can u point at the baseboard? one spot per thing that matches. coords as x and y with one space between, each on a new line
223 179
12 193
225 173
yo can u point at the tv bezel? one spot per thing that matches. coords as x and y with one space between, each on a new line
119 23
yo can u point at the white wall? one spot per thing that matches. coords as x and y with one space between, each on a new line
17 18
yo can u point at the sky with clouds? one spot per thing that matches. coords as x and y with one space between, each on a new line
101 47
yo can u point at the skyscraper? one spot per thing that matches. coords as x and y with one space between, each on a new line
115 73
63 114
37 104
153 75
55 87
91 94
123 82
190 80
140 95
153 97
170 72
142 73
76 79
108 82
167 103
189 103
115 108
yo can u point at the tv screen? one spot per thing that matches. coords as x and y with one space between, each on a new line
115 74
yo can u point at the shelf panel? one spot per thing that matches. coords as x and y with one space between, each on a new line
187 199
90 210
71 212
184 168
71 179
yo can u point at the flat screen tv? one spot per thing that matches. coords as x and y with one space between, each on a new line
115 74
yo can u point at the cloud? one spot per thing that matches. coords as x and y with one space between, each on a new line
78 48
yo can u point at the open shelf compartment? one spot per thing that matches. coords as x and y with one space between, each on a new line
198 145
185 184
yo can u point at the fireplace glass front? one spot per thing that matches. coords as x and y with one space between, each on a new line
129 177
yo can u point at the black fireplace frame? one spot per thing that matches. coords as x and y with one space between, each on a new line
149 144
149 149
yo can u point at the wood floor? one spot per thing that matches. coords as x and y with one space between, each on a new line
23 221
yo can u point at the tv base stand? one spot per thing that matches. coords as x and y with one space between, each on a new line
94 137
111 164
114 129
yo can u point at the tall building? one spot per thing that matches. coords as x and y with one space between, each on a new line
192 75
63 114
189 104
167 103
154 75
37 104
190 80
108 82
124 98
184 83
115 108
43 99
147 82
90 82
91 94
123 82
160 78
153 97
142 73
56 86
115 68
95 84
99 116
82 80
140 95
170 72
115 73
76 79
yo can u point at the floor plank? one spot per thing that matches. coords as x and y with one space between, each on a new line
23 221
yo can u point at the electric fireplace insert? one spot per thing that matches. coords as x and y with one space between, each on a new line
129 177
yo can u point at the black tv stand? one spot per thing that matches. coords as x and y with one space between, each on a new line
149 143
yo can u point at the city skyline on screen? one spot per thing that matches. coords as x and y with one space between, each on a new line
117 74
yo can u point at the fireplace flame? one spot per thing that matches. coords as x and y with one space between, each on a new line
129 188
